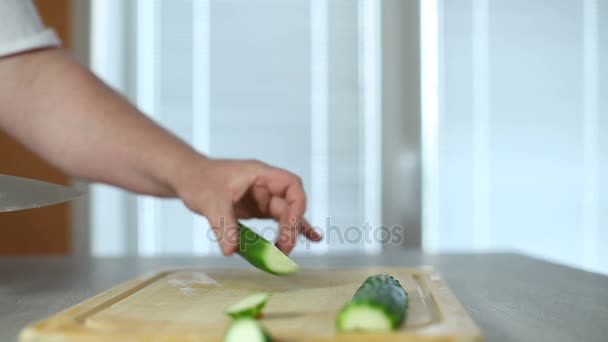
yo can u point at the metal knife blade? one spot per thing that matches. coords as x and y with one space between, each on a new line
17 193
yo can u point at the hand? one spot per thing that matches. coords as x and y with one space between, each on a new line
226 190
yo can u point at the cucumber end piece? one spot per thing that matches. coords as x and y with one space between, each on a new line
264 255
250 306
246 329
279 263
363 317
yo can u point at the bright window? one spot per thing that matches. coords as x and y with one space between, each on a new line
513 110
292 83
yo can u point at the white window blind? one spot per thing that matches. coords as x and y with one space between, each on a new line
512 127
292 83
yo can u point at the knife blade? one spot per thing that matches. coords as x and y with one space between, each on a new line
17 193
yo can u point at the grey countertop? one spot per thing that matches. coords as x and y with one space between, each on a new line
511 297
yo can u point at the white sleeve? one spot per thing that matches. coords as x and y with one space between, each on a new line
21 28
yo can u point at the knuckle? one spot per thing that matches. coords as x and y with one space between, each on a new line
299 180
294 178
255 163
194 203
251 161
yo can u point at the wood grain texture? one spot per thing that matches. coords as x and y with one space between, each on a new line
188 305
45 230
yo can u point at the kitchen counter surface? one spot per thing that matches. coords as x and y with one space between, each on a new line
510 296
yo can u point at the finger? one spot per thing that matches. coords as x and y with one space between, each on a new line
225 227
255 203
278 208
288 231
279 182
284 184
288 235
262 197
296 200
308 231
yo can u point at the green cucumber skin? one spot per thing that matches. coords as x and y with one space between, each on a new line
252 311
251 247
383 292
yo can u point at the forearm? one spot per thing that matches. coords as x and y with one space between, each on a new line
62 112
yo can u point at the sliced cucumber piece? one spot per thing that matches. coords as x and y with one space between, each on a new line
380 304
262 254
246 330
364 317
250 306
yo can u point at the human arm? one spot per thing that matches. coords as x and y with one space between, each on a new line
65 114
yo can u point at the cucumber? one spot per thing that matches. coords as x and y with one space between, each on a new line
262 254
246 330
250 306
379 305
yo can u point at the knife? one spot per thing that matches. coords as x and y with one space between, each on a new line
17 193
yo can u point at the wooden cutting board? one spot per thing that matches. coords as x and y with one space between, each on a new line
188 305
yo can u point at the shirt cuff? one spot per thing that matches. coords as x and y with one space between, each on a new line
42 39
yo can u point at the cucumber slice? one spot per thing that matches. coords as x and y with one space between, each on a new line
250 306
363 317
262 254
246 330
379 305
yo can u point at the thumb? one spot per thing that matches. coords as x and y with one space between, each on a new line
223 222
